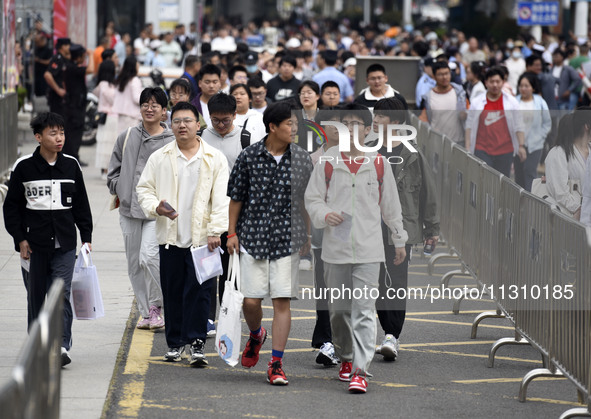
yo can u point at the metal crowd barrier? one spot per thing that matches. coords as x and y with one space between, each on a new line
516 246
8 132
33 390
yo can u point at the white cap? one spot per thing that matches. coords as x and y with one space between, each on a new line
431 36
155 44
350 61
293 43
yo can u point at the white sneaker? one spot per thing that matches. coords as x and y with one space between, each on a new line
174 354
326 355
389 348
66 359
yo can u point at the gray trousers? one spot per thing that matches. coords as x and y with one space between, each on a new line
143 261
353 315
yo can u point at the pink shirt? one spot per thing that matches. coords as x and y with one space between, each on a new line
128 101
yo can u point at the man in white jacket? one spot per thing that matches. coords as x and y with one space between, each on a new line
184 187
350 204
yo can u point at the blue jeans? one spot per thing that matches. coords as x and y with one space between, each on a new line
501 163
44 268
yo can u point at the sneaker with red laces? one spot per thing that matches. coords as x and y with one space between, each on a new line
275 374
250 356
345 371
156 320
358 382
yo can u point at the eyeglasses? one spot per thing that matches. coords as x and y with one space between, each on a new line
307 93
153 106
186 121
352 124
331 94
225 121
374 79
257 94
178 95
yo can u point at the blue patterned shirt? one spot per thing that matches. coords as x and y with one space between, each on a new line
270 225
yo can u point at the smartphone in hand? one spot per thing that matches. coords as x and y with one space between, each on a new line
169 207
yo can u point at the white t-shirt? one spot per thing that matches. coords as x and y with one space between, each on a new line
254 124
205 113
556 74
188 179
444 116
527 113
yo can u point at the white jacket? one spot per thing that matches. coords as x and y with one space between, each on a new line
512 115
210 203
357 195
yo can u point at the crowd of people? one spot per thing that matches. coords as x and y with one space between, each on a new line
221 159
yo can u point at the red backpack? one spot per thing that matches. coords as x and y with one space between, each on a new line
378 163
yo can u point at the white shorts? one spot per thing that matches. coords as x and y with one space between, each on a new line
269 278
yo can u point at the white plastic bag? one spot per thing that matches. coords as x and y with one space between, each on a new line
207 264
85 295
227 339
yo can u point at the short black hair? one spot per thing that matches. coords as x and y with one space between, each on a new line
157 93
221 103
533 80
421 48
46 119
327 113
375 67
560 52
330 57
495 71
256 82
529 61
183 84
478 68
329 83
107 54
289 59
184 106
276 113
244 86
357 110
190 59
209 69
393 108
236 69
438 65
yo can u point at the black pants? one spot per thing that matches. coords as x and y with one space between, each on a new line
186 303
322 331
392 312
74 129
222 278
44 268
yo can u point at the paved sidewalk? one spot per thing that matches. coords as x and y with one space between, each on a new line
85 382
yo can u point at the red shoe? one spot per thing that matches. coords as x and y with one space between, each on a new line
345 371
250 356
275 374
358 382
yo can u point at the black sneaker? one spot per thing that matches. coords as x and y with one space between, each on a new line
198 358
65 357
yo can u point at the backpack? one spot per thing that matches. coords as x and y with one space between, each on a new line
378 163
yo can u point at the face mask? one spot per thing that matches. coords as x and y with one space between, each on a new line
516 54
433 47
252 68
510 46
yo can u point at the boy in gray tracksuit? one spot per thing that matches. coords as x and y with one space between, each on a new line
350 204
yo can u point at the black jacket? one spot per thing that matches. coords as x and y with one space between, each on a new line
46 202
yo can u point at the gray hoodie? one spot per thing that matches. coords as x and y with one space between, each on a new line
124 175
229 145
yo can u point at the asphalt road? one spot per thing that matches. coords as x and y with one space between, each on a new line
440 372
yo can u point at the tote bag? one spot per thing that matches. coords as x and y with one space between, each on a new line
227 339
85 295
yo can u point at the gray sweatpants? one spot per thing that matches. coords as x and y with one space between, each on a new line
143 261
353 315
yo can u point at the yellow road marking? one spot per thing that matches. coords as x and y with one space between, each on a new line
429 313
470 342
131 401
270 319
139 349
539 399
505 358
504 380
491 326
